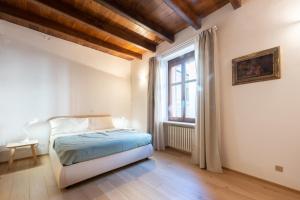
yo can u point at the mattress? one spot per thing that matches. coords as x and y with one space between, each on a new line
75 148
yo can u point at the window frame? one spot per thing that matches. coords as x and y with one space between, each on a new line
180 60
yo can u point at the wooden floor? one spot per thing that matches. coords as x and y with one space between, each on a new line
168 175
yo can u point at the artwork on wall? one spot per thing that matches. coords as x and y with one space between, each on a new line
259 66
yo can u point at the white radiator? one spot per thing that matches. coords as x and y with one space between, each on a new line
179 137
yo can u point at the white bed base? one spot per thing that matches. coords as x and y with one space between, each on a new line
69 175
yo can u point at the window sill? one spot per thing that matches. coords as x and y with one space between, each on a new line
182 124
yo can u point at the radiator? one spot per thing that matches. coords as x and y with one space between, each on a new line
179 137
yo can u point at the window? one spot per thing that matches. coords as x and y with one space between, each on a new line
182 88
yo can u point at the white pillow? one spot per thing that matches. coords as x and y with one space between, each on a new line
68 125
100 123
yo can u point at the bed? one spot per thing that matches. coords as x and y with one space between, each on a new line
82 147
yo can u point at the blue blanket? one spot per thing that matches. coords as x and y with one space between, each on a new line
78 148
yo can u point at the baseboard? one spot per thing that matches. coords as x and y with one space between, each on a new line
266 181
177 150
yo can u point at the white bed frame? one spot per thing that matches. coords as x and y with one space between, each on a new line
69 175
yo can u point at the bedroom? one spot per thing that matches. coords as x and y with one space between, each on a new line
95 59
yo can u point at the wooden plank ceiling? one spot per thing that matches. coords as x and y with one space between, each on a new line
123 28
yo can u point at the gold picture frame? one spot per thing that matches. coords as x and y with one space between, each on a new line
255 67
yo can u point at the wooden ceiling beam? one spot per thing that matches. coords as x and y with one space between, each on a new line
98 23
182 9
23 18
134 17
236 3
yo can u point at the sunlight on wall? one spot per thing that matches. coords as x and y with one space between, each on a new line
142 78
293 32
120 122
289 19
291 13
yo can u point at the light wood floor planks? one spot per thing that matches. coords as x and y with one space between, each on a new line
167 176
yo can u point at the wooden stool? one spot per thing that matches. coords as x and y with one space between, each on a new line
13 146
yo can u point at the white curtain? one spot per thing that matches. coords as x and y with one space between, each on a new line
206 144
160 105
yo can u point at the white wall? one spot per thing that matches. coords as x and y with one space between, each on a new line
261 125
139 88
38 84
68 50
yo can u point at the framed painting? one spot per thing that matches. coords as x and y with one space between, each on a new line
259 66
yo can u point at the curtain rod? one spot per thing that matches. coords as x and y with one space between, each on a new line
183 44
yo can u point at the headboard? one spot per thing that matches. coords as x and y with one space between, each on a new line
79 116
77 123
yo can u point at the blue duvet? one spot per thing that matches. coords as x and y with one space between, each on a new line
78 148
